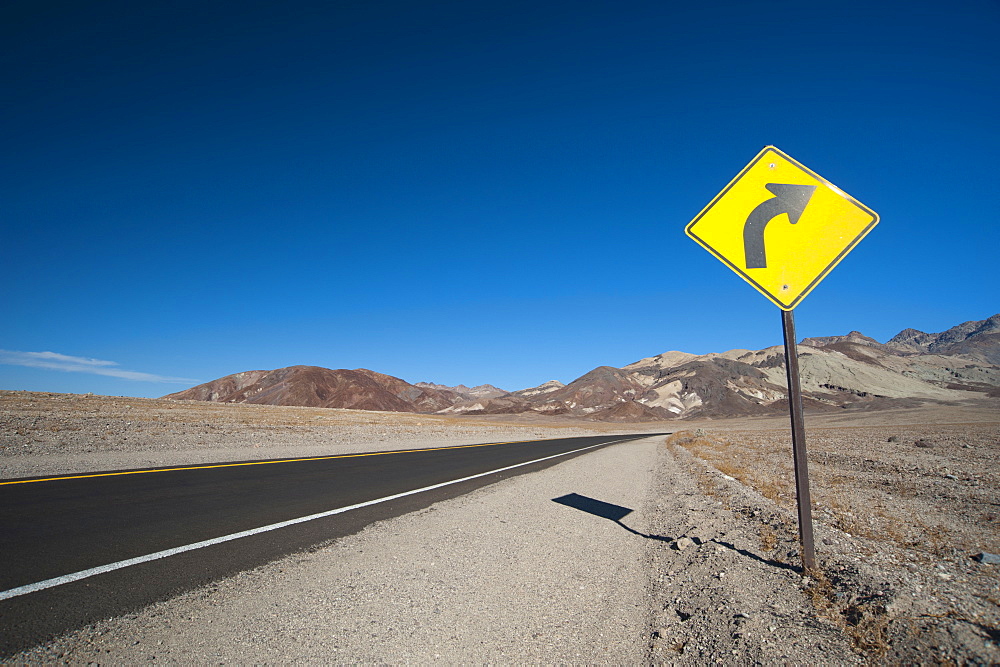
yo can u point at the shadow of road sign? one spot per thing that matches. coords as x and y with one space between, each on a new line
595 507
604 510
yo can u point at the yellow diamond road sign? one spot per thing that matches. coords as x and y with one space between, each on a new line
781 227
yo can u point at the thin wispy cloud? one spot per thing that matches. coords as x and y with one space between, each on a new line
55 361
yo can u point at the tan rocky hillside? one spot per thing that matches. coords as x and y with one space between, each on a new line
837 372
467 393
978 340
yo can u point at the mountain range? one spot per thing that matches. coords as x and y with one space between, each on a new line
837 372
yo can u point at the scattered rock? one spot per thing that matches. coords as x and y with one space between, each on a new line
988 558
700 535
683 543
684 613
876 589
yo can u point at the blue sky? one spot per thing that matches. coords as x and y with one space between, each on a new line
467 192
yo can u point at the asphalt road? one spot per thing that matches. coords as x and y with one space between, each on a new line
59 526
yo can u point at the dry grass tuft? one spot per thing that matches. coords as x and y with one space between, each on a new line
736 461
768 538
865 623
925 509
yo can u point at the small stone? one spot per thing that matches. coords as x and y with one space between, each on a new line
893 438
923 443
683 543
988 558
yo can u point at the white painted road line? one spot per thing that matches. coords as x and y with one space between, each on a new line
110 567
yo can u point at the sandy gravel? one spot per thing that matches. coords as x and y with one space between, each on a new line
902 505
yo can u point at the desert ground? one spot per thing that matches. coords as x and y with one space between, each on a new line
42 434
703 570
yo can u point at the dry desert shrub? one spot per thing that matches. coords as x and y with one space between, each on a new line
866 485
741 463
768 538
866 623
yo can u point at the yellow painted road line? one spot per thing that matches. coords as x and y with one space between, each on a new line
260 463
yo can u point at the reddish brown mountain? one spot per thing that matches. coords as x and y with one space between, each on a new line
223 390
630 411
837 372
312 386
599 389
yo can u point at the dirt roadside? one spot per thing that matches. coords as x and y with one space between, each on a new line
904 514
701 568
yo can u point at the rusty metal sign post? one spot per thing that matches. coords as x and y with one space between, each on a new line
806 542
784 264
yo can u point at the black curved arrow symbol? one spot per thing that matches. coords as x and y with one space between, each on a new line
790 199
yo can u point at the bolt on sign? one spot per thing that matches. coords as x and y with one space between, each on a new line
781 226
